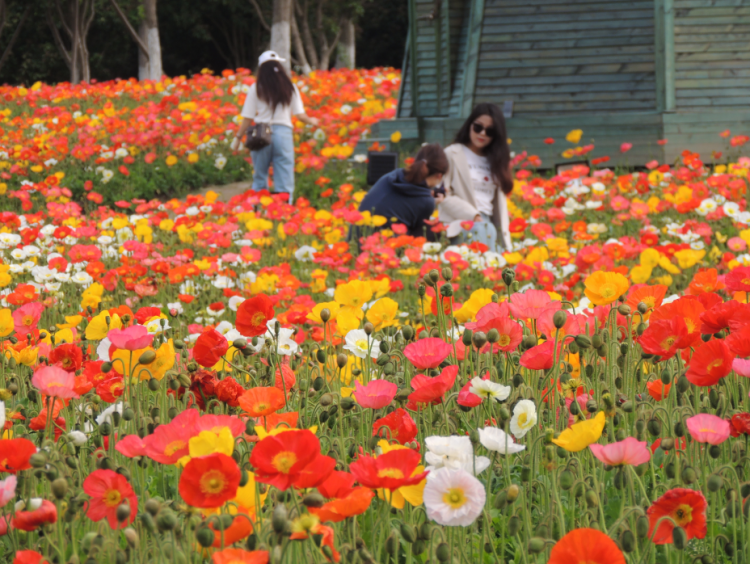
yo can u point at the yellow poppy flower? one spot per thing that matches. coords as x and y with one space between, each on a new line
603 288
580 435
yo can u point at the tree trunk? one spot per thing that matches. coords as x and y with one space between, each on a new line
149 68
281 36
299 48
346 52
75 22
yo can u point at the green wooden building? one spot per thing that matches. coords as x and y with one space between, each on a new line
621 70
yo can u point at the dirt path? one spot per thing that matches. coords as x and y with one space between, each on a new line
227 191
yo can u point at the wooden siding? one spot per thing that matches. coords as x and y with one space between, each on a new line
712 52
563 56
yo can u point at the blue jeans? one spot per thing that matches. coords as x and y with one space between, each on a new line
483 231
280 153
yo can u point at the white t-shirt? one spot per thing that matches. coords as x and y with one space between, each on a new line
258 110
481 180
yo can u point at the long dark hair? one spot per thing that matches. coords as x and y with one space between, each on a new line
274 86
430 160
497 152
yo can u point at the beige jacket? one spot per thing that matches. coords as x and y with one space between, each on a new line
459 204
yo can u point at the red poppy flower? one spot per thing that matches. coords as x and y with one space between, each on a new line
67 357
738 280
540 357
427 353
15 454
390 471
739 424
31 520
429 390
280 459
689 308
586 546
262 401
253 314
739 341
397 425
663 337
210 347
229 392
239 556
109 490
29 557
354 503
686 507
710 363
209 481
717 318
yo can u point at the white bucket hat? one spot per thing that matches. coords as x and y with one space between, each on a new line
269 56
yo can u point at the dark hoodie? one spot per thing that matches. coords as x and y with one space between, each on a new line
393 197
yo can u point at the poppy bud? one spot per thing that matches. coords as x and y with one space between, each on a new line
566 479
153 384
509 275
318 383
408 533
529 341
341 360
38 459
667 444
321 356
421 290
443 552
60 488
424 532
683 384
560 318
679 538
391 544
517 380
447 273
153 506
408 332
474 437
513 491
166 520
500 499
418 547
106 367
592 500
536 545
205 537
279 518
679 429
654 427
313 499
688 475
147 357
446 290
624 309
641 328
493 335
122 512
434 276
597 341
466 337
573 348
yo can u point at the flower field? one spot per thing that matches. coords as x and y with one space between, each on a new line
192 380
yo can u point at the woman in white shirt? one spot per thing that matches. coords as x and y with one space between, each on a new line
273 99
479 180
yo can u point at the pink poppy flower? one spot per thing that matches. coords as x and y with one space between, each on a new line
488 316
741 366
427 353
530 304
630 451
7 490
26 318
130 339
710 429
131 446
55 382
376 394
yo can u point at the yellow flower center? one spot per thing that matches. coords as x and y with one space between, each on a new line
361 344
455 498
683 515
608 291
522 418
258 318
28 320
261 406
667 343
690 325
504 340
212 482
174 446
112 498
714 364
391 473
284 461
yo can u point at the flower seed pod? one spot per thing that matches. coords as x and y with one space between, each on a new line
447 273
466 337
434 276
166 520
592 500
683 384
479 339
147 357
408 332
205 537
391 544
446 290
418 547
493 335
341 360
627 540
513 492
509 275
583 342
122 512
624 310
321 356
688 475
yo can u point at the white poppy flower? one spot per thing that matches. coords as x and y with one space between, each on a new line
358 343
489 389
497 440
524 418
453 452
453 497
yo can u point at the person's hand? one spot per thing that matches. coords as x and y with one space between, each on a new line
313 121
439 197
477 218
235 144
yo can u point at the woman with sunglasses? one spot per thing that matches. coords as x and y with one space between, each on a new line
478 181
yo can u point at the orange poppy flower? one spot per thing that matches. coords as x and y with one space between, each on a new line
690 310
262 401
704 282
657 389
355 503
280 460
209 481
652 296
686 507
586 546
239 556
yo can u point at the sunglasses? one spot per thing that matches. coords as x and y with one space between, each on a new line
479 128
